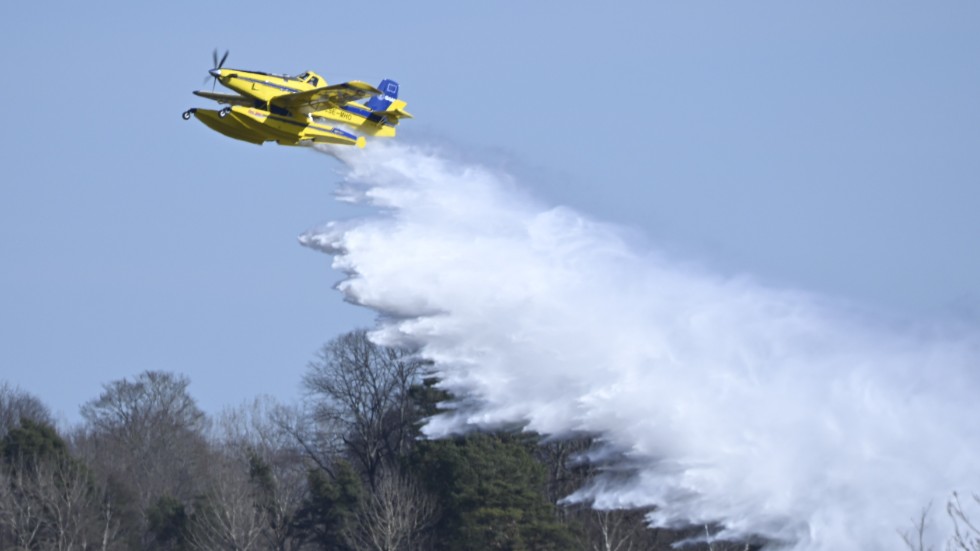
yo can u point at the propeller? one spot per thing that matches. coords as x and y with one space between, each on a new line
217 65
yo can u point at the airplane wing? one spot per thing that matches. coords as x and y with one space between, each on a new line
230 99
318 99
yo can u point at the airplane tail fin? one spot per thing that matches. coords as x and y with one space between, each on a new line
386 106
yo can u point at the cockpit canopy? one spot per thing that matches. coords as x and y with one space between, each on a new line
310 77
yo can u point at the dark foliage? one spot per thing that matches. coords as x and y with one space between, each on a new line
492 492
168 523
328 512
32 441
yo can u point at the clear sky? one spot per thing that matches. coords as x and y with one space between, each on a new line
830 146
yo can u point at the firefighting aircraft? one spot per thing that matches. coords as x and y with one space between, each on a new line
298 110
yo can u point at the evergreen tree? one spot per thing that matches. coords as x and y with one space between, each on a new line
492 493
32 441
168 522
328 512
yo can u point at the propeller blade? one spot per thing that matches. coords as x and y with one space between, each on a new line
216 65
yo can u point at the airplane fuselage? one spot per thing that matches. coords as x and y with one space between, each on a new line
264 87
294 110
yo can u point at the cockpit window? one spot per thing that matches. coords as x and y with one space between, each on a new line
314 81
303 76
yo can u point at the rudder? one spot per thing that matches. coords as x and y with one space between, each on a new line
389 92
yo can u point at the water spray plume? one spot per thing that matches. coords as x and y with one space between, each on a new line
769 412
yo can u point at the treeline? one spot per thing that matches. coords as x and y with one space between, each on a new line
347 470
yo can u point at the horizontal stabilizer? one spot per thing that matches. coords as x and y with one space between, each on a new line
394 115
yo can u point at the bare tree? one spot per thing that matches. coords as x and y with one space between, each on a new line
915 539
966 534
277 467
228 516
320 441
615 530
966 531
395 516
364 388
132 409
80 516
147 436
21 509
54 504
64 491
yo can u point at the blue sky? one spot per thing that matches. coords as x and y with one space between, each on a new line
828 146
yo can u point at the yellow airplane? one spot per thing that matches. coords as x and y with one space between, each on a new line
298 110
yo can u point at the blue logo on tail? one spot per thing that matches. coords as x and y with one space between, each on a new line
389 88
389 91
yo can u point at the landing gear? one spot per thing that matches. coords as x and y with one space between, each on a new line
224 112
187 114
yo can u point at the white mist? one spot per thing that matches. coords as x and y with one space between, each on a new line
771 412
